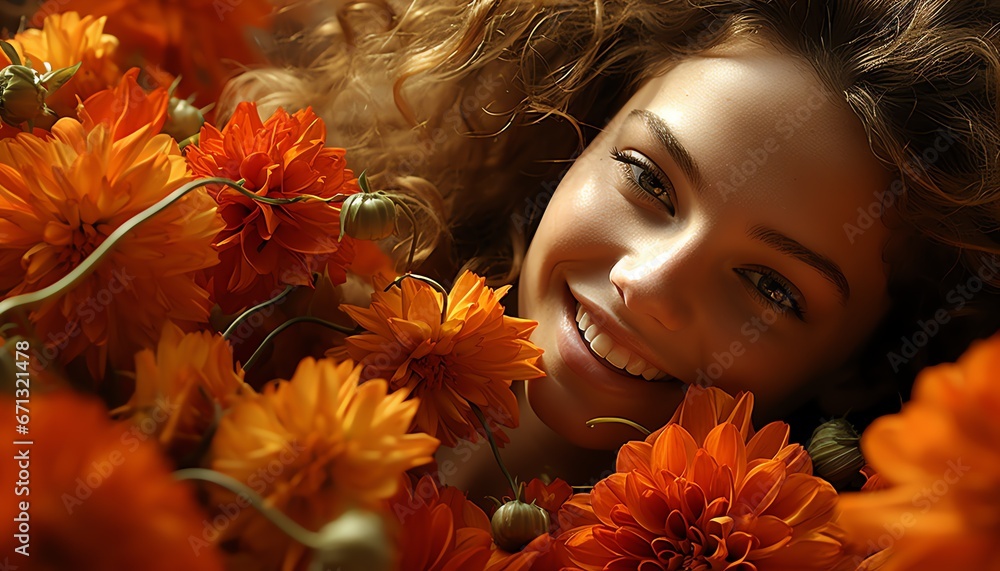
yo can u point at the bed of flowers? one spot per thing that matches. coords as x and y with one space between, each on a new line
158 270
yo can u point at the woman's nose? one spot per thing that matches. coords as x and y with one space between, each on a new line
658 284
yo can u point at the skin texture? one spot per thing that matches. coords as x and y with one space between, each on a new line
774 150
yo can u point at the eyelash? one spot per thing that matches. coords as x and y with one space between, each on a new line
792 294
628 174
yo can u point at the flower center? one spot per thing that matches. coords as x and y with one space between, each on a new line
433 371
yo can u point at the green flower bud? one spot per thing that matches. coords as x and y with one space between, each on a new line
515 524
184 120
356 541
836 452
22 95
368 216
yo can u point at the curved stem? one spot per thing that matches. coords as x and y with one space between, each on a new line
413 235
496 451
87 266
286 524
432 283
617 420
305 318
236 323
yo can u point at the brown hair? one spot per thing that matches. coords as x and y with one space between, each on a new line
472 108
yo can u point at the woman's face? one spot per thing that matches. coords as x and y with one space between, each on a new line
710 234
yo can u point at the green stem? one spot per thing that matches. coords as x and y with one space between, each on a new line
232 327
89 264
286 524
496 451
305 318
414 234
432 283
618 420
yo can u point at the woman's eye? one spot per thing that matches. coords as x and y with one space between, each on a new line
645 180
775 290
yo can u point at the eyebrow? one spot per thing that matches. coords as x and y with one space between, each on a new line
784 244
668 142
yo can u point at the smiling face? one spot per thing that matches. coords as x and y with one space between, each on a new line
701 239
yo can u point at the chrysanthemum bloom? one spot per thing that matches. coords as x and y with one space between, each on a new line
63 41
100 495
264 246
471 355
439 528
179 386
61 198
313 446
726 499
941 457
203 42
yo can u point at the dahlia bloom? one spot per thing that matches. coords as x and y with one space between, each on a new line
101 494
470 355
702 494
263 246
61 197
940 459
63 41
314 446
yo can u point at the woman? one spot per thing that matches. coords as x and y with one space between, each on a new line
794 198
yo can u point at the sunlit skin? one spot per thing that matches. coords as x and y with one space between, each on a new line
693 281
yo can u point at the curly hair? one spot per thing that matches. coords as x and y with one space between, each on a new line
472 110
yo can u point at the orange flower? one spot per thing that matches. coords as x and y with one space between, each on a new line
178 387
61 198
941 457
101 495
439 529
203 42
708 495
314 446
265 245
469 356
126 108
63 41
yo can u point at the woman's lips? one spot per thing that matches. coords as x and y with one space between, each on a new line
611 353
597 372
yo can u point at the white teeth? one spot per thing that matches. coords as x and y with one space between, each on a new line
620 357
602 344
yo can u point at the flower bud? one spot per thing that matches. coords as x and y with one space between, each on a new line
22 95
836 453
368 216
184 120
356 541
515 524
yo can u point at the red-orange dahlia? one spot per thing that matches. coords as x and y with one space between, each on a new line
126 108
469 355
97 494
265 245
723 499
439 528
939 507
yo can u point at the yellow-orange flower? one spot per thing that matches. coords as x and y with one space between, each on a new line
470 355
100 496
705 494
203 42
61 198
313 446
941 458
63 41
179 386
439 528
265 245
